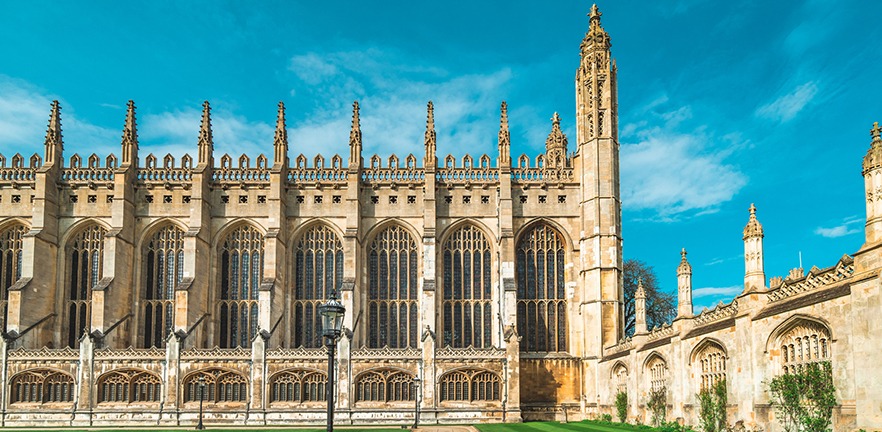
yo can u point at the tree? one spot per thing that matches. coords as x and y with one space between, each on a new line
657 405
661 306
805 398
622 406
712 407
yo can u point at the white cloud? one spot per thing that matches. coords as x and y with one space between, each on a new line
786 107
847 227
672 173
717 291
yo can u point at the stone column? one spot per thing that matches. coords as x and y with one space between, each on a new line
85 383
172 403
257 406
428 302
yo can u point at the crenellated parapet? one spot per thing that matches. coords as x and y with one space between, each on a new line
17 174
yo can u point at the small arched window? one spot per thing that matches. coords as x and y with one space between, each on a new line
658 373
620 378
129 386
220 386
469 386
298 386
803 343
712 360
241 271
384 386
42 386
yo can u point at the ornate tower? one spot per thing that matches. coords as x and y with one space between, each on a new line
684 287
640 309
598 168
754 276
555 146
873 186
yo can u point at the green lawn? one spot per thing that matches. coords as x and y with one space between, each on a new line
554 427
210 428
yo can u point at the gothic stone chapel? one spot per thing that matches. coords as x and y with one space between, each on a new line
124 282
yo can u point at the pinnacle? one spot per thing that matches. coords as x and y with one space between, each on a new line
205 135
53 131
355 132
683 254
595 12
430 116
753 228
876 132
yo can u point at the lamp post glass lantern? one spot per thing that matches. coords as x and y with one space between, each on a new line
332 313
201 382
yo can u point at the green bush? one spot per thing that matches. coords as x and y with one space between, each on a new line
712 403
606 417
622 406
805 399
657 405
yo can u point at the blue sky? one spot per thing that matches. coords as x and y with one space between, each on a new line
721 103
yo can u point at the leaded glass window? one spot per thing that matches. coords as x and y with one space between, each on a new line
318 269
41 386
541 306
220 386
10 265
384 386
620 378
84 269
241 271
129 386
392 290
163 271
465 305
469 386
658 373
807 342
298 386
712 359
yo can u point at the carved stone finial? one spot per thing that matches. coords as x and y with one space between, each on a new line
873 159
206 139
684 266
596 37
595 12
355 138
641 293
555 146
504 136
54 143
130 136
280 140
876 132
753 227
431 137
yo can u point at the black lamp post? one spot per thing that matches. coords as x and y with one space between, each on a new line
332 323
201 381
416 402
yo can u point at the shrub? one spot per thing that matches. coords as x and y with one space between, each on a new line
712 407
606 418
657 405
805 399
622 406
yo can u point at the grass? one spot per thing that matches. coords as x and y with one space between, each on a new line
209 428
585 426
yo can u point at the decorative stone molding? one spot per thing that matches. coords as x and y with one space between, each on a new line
449 353
719 312
815 279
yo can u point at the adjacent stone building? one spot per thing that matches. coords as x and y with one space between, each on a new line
497 282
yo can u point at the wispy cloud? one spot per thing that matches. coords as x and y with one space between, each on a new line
786 107
849 225
717 291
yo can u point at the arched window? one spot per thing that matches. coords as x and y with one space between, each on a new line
10 265
241 269
129 386
220 386
469 386
805 342
465 304
163 271
298 386
620 378
542 306
712 359
42 386
392 290
84 269
658 373
384 386
318 269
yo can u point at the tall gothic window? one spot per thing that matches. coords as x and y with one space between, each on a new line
807 342
241 270
712 359
318 269
466 302
542 307
392 290
84 269
164 261
10 265
620 377
658 373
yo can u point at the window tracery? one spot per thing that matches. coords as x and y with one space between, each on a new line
42 386
541 306
220 386
164 270
805 343
392 290
129 386
658 373
384 386
84 270
241 270
318 268
712 359
620 377
10 265
298 386
469 386
465 305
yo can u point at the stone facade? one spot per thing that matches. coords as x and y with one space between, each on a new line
497 284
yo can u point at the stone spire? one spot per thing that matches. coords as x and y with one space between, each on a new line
54 143
355 139
130 137
596 37
280 140
206 140
873 186
754 275
640 308
684 287
555 145
504 137
431 160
